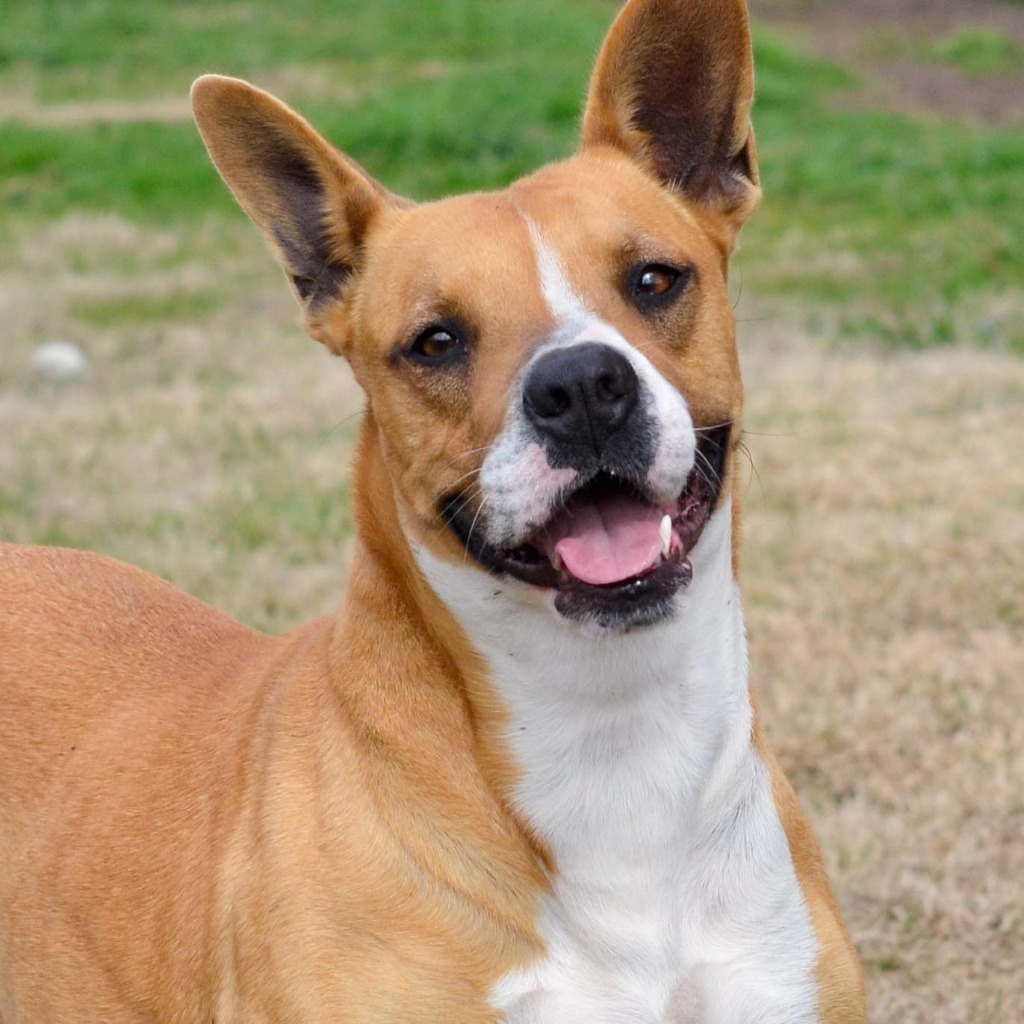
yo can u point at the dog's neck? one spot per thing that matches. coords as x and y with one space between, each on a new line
624 745
614 736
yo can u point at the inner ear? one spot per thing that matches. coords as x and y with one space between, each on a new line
317 266
673 87
314 205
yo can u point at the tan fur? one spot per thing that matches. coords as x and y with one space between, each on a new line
199 822
841 997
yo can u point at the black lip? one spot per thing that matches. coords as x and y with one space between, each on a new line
629 603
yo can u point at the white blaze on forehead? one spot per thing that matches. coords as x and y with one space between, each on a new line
566 306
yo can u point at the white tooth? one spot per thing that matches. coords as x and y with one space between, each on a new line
666 536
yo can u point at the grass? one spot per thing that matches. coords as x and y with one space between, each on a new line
142 309
135 48
904 230
975 50
882 578
209 441
980 51
905 227
395 81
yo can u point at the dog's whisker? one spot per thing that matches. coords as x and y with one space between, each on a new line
338 426
740 294
772 433
468 454
466 499
713 475
754 474
472 527
711 427
459 479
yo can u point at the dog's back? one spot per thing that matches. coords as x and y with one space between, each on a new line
82 634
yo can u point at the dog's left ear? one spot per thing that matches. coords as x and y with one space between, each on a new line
673 88
315 206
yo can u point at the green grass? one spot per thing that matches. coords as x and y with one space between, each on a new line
143 309
975 50
903 227
908 226
142 171
980 51
434 97
142 46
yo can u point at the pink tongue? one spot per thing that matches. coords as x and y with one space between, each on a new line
606 541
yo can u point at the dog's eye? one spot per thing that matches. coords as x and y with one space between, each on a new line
652 286
657 280
435 346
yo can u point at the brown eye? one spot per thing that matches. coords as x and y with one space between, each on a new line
653 286
657 280
435 346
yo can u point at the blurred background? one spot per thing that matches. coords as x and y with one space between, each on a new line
159 403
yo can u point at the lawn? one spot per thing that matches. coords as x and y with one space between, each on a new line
880 293
904 227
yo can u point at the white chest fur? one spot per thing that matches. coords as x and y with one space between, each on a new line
675 898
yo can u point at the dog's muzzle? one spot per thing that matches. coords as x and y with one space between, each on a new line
614 550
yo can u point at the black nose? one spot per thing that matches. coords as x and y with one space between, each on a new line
582 395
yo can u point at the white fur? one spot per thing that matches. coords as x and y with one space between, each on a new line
519 486
565 304
674 884
674 899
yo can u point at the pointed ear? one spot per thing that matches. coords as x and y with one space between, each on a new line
673 88
314 205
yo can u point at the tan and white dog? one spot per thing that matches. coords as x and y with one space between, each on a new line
518 776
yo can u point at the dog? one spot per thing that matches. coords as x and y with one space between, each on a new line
519 776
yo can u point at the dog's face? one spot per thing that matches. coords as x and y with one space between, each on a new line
537 363
551 370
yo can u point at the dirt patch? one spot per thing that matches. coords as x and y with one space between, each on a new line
881 41
86 112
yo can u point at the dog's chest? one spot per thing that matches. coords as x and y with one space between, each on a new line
673 899
663 923
617 943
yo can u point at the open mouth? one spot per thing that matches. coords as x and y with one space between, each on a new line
610 550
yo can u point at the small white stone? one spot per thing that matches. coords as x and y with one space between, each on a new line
59 361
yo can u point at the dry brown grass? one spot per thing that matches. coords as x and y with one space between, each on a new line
883 567
884 570
209 446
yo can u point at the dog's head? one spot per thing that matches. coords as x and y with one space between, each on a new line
551 372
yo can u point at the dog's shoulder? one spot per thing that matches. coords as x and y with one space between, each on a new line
83 635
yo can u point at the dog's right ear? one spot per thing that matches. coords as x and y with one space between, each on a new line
673 88
314 205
